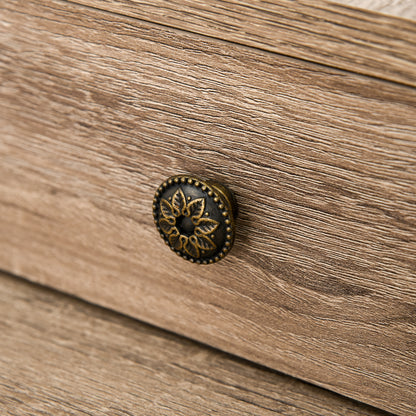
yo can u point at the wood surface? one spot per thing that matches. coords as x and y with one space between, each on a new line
328 33
400 8
98 109
61 356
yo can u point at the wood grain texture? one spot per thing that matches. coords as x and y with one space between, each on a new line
61 356
319 31
98 109
400 8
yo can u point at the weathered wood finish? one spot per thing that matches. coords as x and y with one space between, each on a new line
319 31
97 109
61 356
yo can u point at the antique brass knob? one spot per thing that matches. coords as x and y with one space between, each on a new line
196 218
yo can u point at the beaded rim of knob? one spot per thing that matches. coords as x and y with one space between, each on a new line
222 197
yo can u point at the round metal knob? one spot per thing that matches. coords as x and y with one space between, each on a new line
196 218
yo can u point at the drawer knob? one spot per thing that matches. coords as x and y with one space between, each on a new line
196 218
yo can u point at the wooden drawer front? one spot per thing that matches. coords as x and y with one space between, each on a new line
97 109
141 371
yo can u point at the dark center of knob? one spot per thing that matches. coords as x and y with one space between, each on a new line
185 225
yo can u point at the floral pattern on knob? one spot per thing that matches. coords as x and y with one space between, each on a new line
175 228
195 218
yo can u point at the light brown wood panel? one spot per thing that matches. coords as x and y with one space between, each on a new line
399 8
61 356
315 30
98 109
